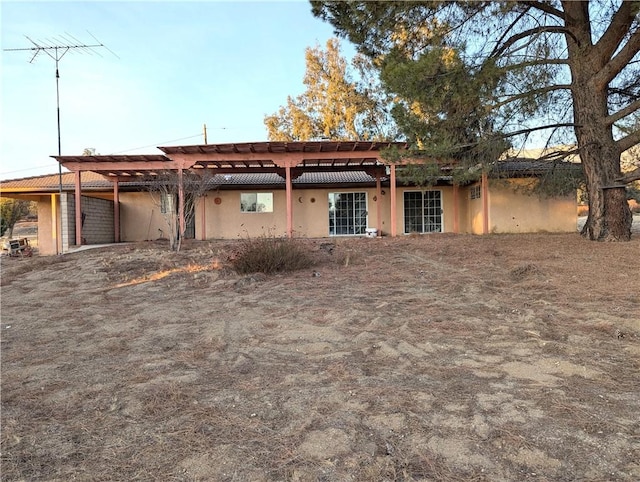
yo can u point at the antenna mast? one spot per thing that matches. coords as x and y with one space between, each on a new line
56 49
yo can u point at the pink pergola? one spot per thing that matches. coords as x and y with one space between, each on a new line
288 159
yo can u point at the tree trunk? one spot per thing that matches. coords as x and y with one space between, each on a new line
609 217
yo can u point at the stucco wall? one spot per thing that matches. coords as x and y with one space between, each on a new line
220 214
48 226
474 210
140 218
512 211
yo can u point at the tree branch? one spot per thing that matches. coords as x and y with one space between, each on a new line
539 128
619 26
630 109
507 30
617 63
546 8
630 176
629 141
530 93
499 51
532 63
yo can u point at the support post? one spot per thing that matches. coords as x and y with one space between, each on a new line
78 194
485 203
289 198
379 203
394 217
116 212
181 202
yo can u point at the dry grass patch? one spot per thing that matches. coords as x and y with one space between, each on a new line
439 358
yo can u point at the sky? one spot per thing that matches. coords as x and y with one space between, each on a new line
167 69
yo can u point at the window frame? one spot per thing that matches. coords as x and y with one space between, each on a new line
256 204
428 214
358 228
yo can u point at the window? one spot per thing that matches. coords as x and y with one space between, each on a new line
347 213
256 202
422 212
475 192
168 203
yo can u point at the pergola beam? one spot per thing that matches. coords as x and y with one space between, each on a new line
275 157
116 166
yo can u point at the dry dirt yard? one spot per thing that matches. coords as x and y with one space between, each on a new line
432 358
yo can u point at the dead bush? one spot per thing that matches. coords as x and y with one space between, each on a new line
270 254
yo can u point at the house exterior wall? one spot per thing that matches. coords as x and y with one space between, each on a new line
68 214
98 222
464 220
474 209
219 214
97 227
447 200
222 218
512 211
48 226
140 218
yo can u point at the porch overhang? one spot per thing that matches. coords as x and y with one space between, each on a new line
288 159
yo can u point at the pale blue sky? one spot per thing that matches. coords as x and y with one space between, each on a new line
180 65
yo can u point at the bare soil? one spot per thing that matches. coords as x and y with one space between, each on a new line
426 358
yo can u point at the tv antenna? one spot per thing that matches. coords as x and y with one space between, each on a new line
57 48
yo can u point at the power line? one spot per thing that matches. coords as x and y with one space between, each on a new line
156 144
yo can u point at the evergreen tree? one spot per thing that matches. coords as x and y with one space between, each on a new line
472 75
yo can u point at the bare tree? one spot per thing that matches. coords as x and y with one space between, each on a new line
170 189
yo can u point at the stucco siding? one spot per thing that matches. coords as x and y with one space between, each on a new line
220 214
140 218
474 210
513 211
47 226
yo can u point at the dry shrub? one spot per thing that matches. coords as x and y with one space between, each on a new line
524 271
269 254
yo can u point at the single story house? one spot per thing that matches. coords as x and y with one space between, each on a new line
303 189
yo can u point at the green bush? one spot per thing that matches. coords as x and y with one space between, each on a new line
269 254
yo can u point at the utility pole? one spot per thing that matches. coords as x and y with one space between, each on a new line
56 49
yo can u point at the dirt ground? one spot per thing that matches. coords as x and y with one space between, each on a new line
422 358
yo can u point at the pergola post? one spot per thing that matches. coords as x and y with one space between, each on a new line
116 212
181 202
289 199
78 194
394 217
379 203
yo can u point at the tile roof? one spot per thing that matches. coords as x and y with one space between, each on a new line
96 182
51 182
